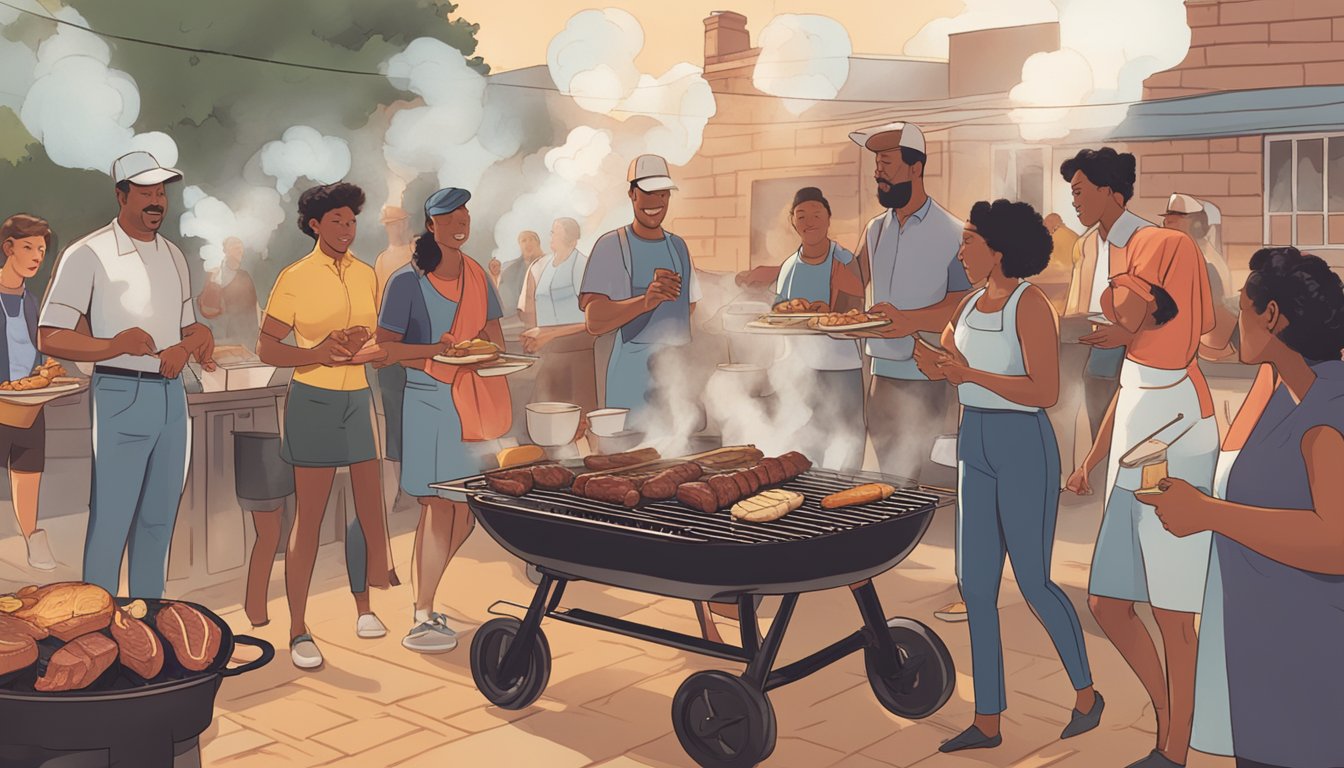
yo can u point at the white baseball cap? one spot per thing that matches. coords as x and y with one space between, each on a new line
883 138
1179 203
650 173
142 169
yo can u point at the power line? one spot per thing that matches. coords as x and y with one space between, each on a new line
879 103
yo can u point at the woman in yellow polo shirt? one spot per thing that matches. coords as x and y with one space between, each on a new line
327 299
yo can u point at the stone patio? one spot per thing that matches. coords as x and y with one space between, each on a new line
609 698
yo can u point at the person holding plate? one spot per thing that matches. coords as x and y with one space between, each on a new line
449 412
327 299
1157 304
1001 351
1279 531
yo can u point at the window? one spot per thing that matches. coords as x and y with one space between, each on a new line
1304 191
1019 174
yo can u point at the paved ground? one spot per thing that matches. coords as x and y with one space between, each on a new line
608 702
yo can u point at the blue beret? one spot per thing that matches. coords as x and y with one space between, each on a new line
446 201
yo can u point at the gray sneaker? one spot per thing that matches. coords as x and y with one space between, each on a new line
433 636
39 551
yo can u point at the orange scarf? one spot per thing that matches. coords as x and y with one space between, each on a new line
483 404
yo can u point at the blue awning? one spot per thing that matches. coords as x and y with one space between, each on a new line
1300 109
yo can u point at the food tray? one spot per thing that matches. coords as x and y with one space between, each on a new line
60 387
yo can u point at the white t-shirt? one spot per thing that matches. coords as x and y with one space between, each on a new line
122 283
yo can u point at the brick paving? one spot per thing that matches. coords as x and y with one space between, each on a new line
609 698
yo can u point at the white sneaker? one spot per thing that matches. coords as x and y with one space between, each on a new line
369 627
433 636
304 652
39 551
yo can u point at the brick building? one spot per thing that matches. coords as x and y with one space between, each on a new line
1252 121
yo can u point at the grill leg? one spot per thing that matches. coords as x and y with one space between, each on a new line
759 668
875 620
517 655
746 617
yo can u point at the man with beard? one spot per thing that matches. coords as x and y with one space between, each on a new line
121 298
908 260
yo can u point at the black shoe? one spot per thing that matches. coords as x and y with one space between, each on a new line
1155 759
971 738
1082 723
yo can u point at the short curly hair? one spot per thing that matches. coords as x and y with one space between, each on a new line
1104 167
317 202
1308 293
1016 231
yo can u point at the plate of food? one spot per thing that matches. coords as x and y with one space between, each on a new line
47 382
770 325
795 308
470 353
853 320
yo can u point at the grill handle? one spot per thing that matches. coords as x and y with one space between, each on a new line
267 653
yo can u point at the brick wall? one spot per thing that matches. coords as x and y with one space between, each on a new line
1228 172
1240 44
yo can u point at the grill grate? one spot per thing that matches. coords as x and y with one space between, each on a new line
669 519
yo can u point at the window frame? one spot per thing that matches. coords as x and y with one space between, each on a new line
1266 184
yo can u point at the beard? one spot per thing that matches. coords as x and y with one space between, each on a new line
897 194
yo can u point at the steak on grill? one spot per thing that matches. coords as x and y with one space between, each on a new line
725 489
612 489
78 663
138 646
698 496
511 482
551 477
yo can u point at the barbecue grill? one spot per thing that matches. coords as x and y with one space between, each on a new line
668 549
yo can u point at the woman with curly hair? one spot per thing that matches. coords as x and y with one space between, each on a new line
327 299
1001 351
1279 530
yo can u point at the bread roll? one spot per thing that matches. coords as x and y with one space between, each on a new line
767 506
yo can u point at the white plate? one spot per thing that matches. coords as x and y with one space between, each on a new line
468 360
507 365
834 329
36 396
762 327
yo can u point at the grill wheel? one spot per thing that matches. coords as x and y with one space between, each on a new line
927 674
488 649
723 721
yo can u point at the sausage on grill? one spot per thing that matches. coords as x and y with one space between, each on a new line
725 490
698 496
613 490
511 482
663 485
745 484
551 477
775 468
606 462
796 463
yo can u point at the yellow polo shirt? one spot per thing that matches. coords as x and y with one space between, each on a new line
317 295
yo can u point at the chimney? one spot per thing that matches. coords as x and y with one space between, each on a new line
725 34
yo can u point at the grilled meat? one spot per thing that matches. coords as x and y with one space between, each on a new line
18 643
510 482
194 638
860 494
698 496
613 490
795 463
663 485
78 663
65 609
774 469
551 477
138 647
608 462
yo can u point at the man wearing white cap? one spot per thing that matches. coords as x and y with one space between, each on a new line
908 258
121 298
639 282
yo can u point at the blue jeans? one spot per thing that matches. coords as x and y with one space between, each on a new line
140 438
1007 502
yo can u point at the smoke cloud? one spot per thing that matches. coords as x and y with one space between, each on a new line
804 59
257 215
1106 52
303 152
80 108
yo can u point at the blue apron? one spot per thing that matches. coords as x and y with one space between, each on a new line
628 377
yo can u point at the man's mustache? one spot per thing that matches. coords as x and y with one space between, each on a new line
153 209
884 180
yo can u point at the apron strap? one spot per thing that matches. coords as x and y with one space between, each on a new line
631 330
1201 389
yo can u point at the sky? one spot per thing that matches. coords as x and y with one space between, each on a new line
674 29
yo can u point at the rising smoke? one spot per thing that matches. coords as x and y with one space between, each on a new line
804 59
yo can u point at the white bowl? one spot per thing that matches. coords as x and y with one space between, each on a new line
625 440
607 421
552 425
